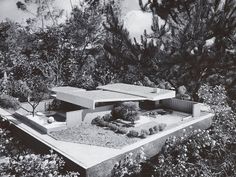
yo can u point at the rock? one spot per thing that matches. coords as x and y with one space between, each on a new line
51 120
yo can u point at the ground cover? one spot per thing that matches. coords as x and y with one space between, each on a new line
117 133
93 135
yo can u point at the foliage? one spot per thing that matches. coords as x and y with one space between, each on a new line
202 153
45 13
34 165
127 111
215 96
22 161
133 133
34 91
9 102
130 165
162 126
144 133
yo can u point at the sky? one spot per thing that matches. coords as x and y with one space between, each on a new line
134 19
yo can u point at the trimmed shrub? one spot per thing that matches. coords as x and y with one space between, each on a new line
162 126
107 117
156 129
114 127
144 133
96 120
151 131
127 111
122 131
133 133
9 102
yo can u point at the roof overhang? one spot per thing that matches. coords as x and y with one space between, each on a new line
110 93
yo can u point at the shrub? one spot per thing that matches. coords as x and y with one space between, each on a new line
130 166
151 131
133 133
127 111
162 126
96 120
122 131
107 117
156 129
144 133
215 96
114 127
9 102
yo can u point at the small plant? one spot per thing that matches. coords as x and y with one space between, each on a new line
7 102
96 120
133 133
151 131
144 133
114 127
162 126
107 117
156 129
122 131
130 166
127 111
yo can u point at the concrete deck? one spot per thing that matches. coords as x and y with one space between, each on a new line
99 161
85 156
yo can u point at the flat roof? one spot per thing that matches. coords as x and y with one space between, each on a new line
141 91
88 99
110 93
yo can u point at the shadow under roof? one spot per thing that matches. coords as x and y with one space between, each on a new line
88 99
110 93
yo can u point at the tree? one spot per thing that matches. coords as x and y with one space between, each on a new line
34 90
45 12
197 37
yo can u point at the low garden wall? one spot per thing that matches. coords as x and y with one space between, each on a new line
179 105
86 115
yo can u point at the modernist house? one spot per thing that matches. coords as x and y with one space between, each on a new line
89 104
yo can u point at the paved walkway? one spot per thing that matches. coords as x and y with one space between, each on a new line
85 156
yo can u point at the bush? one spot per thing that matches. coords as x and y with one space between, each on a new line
144 133
156 129
96 120
215 96
133 133
107 117
122 131
34 165
130 165
9 102
151 131
162 126
113 127
127 111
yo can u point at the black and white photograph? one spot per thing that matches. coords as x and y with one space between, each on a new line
117 88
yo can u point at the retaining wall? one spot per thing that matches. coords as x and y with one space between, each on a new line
152 145
86 115
179 105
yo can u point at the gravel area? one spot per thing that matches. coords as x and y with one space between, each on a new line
93 135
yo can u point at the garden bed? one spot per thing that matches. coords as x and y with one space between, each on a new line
105 136
93 135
